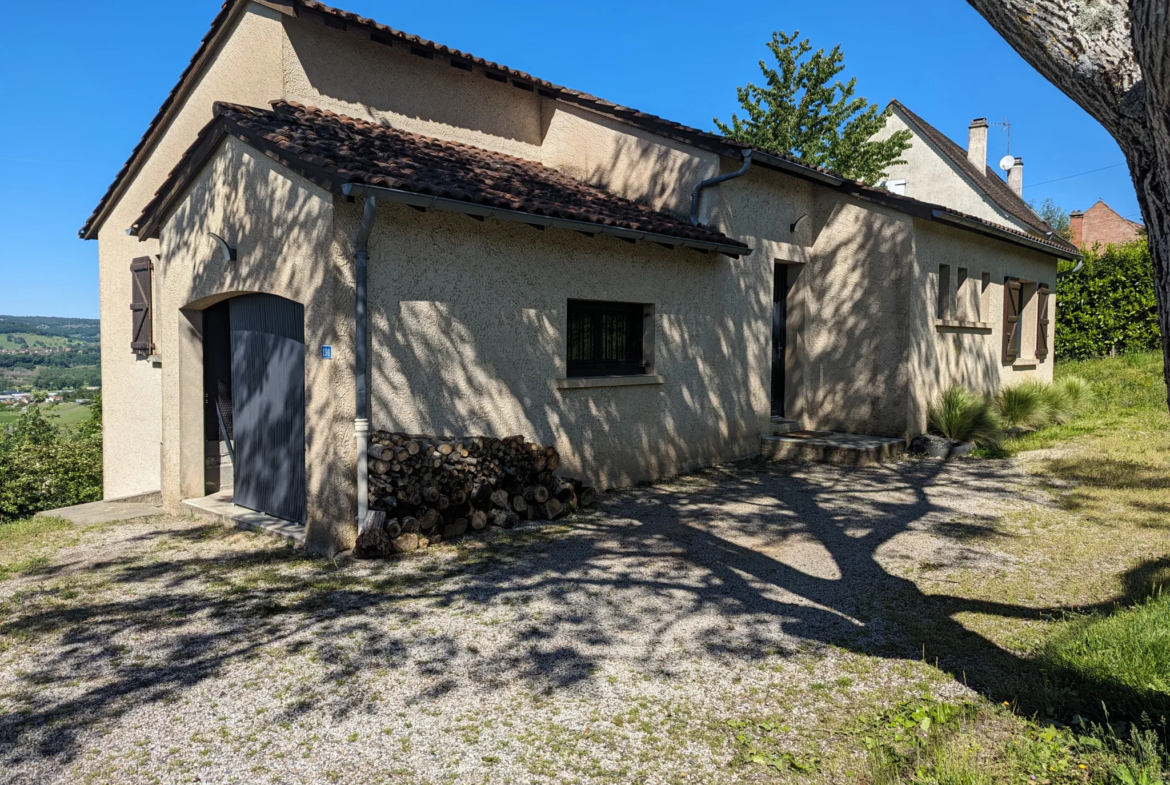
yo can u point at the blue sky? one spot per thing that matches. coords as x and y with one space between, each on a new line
80 81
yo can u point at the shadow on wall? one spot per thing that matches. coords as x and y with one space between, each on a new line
703 567
283 229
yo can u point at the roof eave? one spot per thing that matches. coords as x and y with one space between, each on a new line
500 213
990 230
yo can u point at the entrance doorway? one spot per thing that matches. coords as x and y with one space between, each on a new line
780 290
254 399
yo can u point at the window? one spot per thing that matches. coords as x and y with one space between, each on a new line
1012 306
945 309
607 339
141 338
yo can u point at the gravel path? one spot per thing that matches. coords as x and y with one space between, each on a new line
623 645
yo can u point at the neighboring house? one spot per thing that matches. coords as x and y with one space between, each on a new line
532 268
1101 225
940 171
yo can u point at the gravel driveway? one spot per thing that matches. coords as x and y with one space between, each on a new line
629 644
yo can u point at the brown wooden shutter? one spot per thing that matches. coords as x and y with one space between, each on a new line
1011 320
141 337
1042 293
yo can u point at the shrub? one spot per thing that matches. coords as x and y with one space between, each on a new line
1109 305
1058 406
1025 405
43 467
1078 392
962 415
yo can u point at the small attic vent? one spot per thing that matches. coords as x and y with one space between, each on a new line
462 66
496 77
418 50
335 23
381 39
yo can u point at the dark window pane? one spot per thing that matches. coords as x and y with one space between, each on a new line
604 338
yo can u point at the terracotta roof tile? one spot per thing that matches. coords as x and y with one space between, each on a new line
346 150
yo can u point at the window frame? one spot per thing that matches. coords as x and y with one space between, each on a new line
637 336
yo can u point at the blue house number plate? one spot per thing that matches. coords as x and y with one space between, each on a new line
326 352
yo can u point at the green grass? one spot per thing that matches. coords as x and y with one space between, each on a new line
67 415
37 341
28 545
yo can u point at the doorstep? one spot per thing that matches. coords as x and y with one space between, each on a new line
842 449
218 508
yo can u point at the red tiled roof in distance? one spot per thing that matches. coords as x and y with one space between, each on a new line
340 149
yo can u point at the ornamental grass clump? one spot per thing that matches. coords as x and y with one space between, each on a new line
1024 406
1079 393
962 415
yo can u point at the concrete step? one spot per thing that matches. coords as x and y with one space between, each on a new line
842 449
779 426
218 508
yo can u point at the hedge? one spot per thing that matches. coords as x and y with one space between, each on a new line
1108 307
43 467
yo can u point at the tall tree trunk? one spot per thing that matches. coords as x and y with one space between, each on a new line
1113 58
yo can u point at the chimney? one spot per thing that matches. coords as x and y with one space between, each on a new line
977 144
1016 177
1075 220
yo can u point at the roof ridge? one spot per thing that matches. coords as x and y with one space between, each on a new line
986 180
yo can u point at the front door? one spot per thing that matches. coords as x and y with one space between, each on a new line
779 337
268 404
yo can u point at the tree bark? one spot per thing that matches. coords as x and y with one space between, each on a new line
1112 57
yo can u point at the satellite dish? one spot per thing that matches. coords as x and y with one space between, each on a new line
1006 162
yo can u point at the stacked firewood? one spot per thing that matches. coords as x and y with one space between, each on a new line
425 489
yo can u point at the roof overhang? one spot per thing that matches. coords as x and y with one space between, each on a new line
422 201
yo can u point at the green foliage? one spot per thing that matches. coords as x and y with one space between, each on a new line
67 378
1109 307
1055 216
1119 659
1078 393
961 414
43 466
1026 405
804 111
757 743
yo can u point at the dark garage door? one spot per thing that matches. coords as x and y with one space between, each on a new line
268 404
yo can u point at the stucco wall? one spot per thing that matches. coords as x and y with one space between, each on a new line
246 70
966 356
282 226
932 178
345 73
468 324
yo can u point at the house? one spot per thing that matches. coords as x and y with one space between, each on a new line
336 226
1101 225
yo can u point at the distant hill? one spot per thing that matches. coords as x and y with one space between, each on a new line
87 330
49 352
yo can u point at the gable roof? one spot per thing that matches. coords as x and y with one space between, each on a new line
705 140
986 181
336 151
1102 204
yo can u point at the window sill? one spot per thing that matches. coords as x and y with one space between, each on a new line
963 326
1023 365
581 382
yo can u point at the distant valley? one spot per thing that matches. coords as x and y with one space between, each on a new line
49 353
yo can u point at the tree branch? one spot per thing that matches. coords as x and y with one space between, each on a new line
1084 47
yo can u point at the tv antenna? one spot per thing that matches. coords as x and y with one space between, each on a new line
1007 127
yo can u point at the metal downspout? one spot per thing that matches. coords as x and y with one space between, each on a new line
361 421
696 194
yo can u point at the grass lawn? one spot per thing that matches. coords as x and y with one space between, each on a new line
67 415
992 620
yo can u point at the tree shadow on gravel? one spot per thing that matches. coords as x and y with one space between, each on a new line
710 565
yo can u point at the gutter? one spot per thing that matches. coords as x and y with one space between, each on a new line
992 231
481 211
361 420
697 194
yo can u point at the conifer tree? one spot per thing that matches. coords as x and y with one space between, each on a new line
803 111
